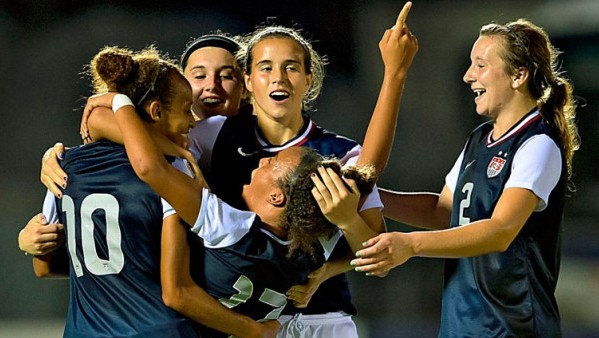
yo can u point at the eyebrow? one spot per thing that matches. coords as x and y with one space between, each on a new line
286 61
224 67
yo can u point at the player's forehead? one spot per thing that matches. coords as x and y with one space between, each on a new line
278 47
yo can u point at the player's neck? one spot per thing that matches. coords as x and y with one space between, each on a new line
278 131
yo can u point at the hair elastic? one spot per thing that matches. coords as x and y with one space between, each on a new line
209 40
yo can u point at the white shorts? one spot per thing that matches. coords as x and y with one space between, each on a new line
328 325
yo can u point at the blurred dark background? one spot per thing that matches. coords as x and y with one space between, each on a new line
44 46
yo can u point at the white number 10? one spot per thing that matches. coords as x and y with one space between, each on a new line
94 264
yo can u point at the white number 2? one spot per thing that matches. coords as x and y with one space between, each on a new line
94 264
465 203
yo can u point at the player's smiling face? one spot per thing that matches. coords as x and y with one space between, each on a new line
487 77
264 179
216 82
278 80
178 118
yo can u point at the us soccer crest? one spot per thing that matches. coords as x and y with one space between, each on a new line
496 165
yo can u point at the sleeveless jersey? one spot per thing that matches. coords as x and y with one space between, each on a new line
237 149
511 293
113 225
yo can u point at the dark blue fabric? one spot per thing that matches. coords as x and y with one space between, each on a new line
507 294
114 217
230 170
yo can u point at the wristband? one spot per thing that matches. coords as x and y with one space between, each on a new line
119 101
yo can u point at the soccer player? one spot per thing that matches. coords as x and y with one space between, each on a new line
228 145
251 258
113 220
498 217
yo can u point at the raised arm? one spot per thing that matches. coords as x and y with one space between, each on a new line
339 202
148 162
398 47
103 126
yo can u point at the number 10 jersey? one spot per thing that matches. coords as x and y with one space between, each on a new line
113 224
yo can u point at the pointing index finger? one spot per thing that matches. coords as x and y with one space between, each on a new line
401 18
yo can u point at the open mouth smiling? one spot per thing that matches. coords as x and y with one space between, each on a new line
279 95
479 92
212 101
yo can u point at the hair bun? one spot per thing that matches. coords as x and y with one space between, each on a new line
114 65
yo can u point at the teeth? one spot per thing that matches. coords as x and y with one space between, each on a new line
479 92
211 101
279 95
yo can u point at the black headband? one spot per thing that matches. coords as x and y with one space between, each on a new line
209 40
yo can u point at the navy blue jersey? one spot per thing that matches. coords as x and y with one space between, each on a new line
246 266
238 148
113 225
507 294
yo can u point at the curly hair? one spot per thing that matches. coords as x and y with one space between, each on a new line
303 218
143 76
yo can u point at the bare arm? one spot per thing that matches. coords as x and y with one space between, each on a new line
340 205
398 47
46 243
419 209
337 263
494 234
103 126
52 265
183 295
148 162
369 223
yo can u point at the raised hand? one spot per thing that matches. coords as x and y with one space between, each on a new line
398 45
337 197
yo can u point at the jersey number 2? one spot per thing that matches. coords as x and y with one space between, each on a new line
465 203
94 264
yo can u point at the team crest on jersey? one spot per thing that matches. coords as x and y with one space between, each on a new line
495 166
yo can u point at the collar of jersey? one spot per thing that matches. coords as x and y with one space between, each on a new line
515 129
302 137
274 237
